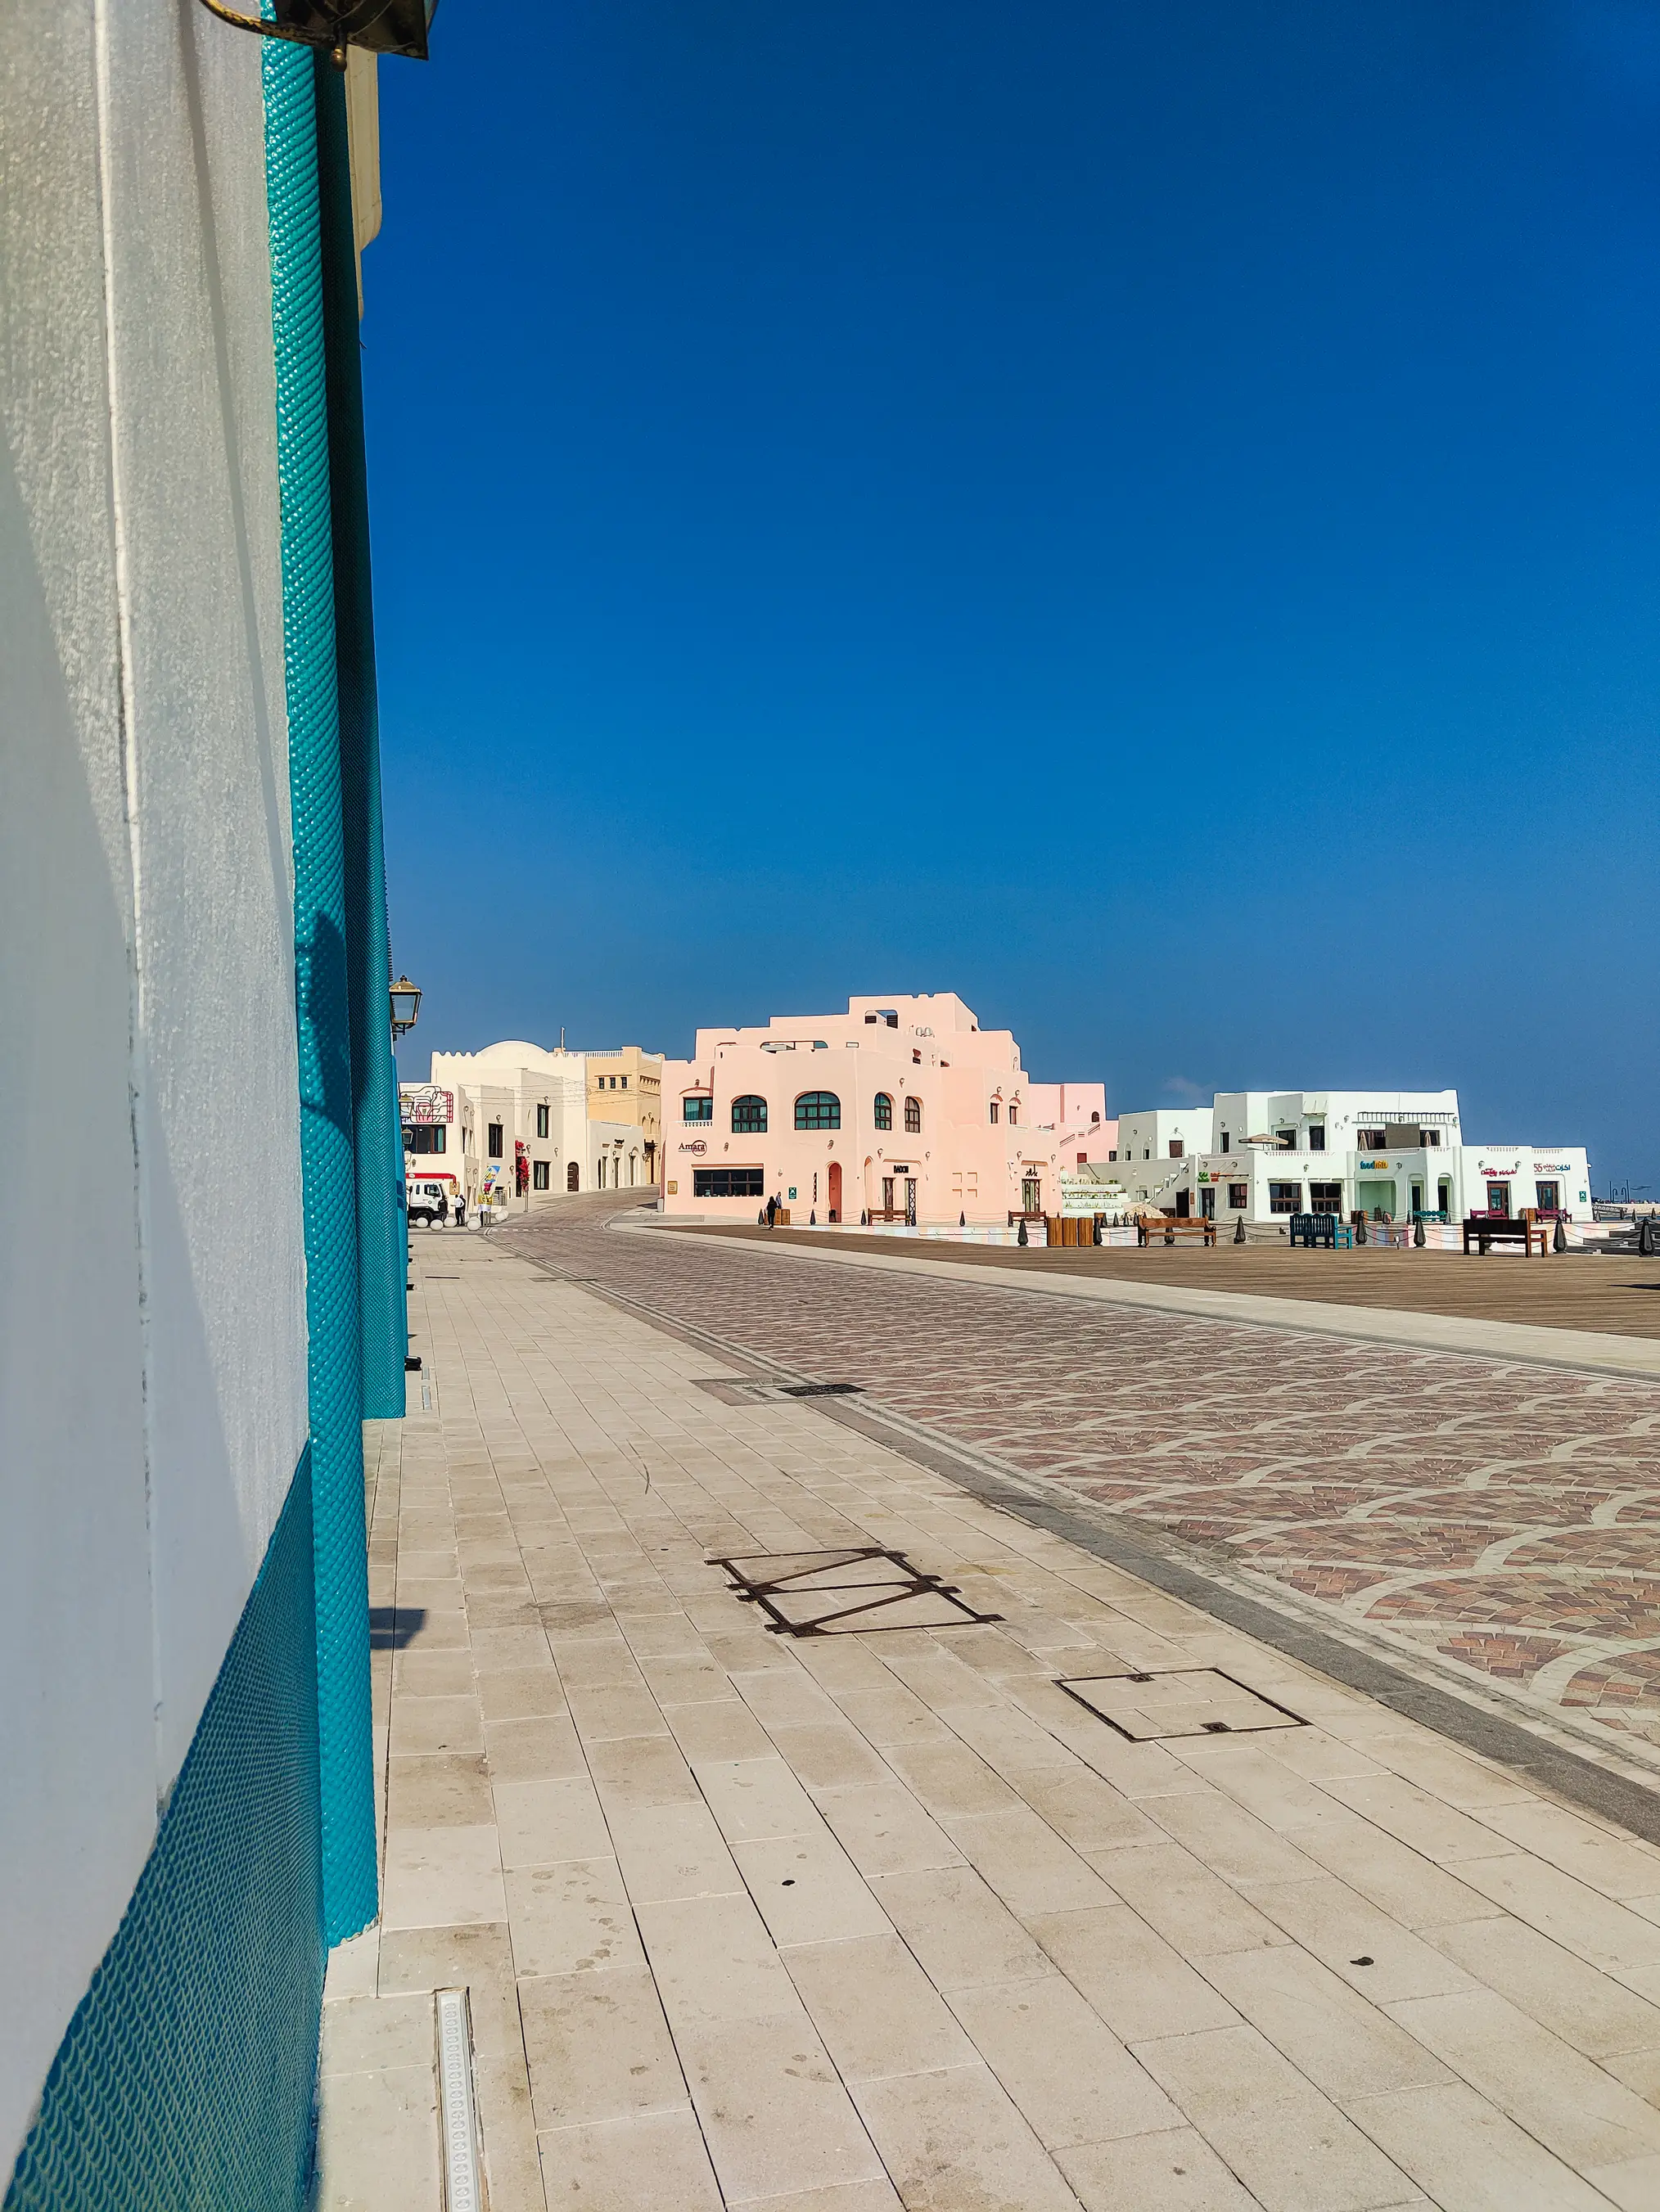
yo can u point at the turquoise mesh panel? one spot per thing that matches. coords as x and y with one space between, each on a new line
184 2082
383 1309
327 1149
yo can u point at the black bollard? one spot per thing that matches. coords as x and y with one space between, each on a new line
1022 1238
864 1218
1239 1230
962 1221
1418 1236
1559 1242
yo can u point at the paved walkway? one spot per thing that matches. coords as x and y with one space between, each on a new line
887 1917
1496 1519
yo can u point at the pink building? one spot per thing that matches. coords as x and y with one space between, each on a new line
899 1109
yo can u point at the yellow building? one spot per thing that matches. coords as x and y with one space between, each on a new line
627 1085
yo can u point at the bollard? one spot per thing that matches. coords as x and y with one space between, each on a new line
1418 1236
1022 1238
1559 1242
1239 1230
962 1221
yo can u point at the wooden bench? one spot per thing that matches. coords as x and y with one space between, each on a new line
1167 1231
1489 1229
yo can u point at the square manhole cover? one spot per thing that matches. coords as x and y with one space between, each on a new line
845 1592
1186 1701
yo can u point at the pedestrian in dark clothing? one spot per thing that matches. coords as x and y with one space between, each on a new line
772 1212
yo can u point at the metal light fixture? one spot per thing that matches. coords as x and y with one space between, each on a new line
381 26
406 1005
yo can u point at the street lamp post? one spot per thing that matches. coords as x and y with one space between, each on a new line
405 998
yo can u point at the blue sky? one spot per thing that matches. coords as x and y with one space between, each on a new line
1147 517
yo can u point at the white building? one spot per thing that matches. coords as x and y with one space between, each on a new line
512 1126
1260 1155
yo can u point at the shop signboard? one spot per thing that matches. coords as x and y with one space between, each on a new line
1081 1196
424 1105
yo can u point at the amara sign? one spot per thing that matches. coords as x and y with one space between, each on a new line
696 1145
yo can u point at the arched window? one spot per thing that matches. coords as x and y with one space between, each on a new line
749 1115
914 1116
1014 1111
1096 1117
818 1110
883 1108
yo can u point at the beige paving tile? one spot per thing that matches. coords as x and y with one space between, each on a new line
960 1932
1195 1911
722 1729
714 1960
776 2115
362 2034
657 2159
433 1673
1609 1935
1348 2046
1461 2152
635 1770
602 1714
1031 1868
1412 1815
893 1716
874 2196
1292 2148
1083 1808
1342 1929
1230 1840
1131 1976
427 1725
573 1918
353 1967
450 1790
437 1876
1400 1881
752 1798
808 1890
833 1756
673 1850
1569 2103
1446 1772
954 2140
507 2126
1616 1865
948 1779
542 1822
517 1693
1072 2079
875 2009
884 1830
1174 2171
533 1751
377 2142
1586 2007
598 2048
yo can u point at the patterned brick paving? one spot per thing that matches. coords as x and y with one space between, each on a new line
1502 1515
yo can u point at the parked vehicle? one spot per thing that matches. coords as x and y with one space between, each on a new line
428 1201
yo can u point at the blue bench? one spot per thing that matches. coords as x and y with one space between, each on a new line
1314 1229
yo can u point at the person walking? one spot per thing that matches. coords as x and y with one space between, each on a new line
460 1208
772 1211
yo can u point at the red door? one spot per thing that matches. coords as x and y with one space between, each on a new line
835 1190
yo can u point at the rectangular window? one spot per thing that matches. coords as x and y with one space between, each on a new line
697 1109
1014 1111
1325 1197
1370 1140
1498 1198
1286 1139
1227 1142
1427 1138
539 1175
625 1082
493 1137
424 1137
1177 1149
1207 1203
728 1182
541 1120
1285 1198
996 1110
1113 1154
1547 1197
1240 1198
1317 1136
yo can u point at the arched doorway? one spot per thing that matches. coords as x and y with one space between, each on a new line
835 1186
573 1175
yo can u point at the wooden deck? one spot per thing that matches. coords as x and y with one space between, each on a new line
1570 1290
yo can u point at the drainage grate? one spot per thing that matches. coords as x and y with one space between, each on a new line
846 1592
820 1390
1182 1702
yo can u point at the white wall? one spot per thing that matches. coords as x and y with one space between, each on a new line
146 953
